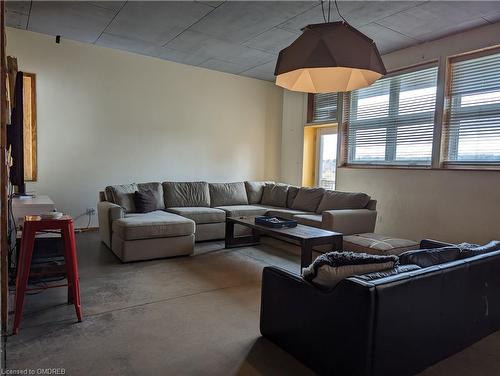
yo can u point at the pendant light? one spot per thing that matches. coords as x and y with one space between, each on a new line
329 57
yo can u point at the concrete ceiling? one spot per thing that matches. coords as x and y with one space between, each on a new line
240 37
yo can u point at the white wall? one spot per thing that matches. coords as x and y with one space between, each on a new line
109 117
292 136
415 204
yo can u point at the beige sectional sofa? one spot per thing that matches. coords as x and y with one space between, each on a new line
196 211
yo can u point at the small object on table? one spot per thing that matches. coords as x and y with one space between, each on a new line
275 222
32 225
51 215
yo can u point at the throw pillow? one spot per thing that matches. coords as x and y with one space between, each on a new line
145 201
275 195
308 199
429 257
157 190
330 268
335 200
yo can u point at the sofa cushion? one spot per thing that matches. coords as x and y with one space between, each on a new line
223 194
157 190
122 195
157 224
308 199
200 214
313 220
274 195
389 272
243 210
254 190
333 200
181 194
285 213
429 257
378 244
144 201
330 268
292 193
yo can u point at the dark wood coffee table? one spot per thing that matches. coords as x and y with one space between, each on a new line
308 237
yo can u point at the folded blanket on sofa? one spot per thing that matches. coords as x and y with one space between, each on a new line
330 268
469 250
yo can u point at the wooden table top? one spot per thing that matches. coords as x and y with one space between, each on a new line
299 232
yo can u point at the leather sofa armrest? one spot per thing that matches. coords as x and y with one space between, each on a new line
107 212
349 221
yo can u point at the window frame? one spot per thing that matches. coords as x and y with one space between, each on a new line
310 111
451 165
343 159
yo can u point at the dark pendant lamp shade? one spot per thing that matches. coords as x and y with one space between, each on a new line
329 57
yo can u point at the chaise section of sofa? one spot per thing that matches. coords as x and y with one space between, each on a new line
202 208
152 235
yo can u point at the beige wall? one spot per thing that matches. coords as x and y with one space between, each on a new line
415 204
108 117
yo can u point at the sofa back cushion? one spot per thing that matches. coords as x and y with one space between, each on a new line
274 195
334 200
429 257
292 193
157 191
123 195
255 189
182 194
308 199
224 194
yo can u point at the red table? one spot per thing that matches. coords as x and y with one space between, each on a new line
32 225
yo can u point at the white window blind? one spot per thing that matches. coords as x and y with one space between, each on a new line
472 128
392 121
324 108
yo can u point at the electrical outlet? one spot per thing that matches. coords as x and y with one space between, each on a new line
90 211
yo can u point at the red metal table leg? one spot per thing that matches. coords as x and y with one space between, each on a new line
72 267
27 244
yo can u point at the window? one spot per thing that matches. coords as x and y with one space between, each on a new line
326 151
29 130
322 108
392 121
472 126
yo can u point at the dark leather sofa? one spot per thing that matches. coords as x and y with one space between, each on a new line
397 325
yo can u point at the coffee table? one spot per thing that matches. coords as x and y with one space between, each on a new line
307 236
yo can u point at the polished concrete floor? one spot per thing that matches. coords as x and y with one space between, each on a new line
183 316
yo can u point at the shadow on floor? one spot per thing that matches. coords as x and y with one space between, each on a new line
265 358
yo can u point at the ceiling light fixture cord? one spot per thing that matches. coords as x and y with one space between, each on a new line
323 10
338 11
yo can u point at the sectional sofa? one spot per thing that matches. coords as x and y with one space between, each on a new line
186 212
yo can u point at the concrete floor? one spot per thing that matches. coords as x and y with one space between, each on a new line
182 316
